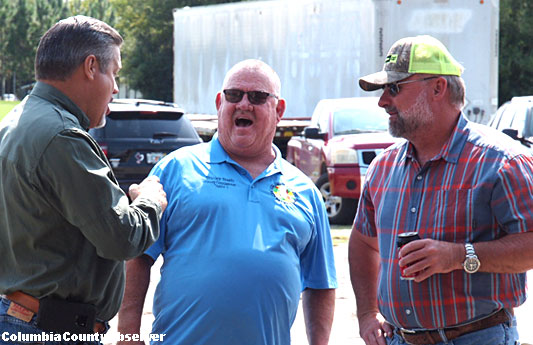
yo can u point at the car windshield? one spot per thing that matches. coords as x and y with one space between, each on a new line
350 121
135 125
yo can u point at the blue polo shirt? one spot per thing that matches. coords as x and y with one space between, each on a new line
237 251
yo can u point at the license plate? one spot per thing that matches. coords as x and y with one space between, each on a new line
154 157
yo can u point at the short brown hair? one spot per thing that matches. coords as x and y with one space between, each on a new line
68 43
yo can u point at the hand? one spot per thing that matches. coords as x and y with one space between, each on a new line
373 329
427 257
151 189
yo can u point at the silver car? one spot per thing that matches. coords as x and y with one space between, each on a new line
515 118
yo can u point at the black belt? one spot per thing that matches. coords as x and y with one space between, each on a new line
434 336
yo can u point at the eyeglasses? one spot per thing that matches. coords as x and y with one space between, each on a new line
254 97
394 89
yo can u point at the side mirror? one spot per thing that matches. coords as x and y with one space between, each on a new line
513 133
313 133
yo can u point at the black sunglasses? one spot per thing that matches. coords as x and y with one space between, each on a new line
254 97
394 89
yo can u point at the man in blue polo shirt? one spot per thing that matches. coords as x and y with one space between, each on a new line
244 232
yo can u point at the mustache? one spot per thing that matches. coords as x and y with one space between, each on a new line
391 110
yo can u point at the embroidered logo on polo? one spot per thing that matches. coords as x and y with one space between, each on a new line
220 182
284 194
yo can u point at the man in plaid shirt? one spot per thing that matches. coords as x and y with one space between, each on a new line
466 189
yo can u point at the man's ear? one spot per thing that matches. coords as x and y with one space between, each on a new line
218 100
90 67
280 108
439 88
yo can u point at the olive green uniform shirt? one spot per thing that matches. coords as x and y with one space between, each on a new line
65 225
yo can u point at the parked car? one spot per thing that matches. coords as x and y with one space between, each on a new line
138 133
9 97
515 118
343 138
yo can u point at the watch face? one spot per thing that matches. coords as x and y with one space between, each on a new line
471 265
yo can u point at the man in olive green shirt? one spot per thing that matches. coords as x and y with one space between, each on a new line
65 224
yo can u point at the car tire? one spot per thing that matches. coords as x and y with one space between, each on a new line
340 210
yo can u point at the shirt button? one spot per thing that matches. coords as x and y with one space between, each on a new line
413 210
419 177
408 311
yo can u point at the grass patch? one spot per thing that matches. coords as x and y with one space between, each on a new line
6 106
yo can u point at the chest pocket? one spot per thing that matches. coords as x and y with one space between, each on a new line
451 216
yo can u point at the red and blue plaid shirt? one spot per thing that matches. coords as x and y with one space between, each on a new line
478 188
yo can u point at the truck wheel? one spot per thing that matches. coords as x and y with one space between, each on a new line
340 210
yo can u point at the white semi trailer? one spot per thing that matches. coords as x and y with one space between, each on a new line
321 47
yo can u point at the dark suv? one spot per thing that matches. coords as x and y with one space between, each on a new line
138 133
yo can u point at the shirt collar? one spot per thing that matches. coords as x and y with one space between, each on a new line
451 149
219 155
54 96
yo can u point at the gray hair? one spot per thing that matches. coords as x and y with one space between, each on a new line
67 44
257 65
457 88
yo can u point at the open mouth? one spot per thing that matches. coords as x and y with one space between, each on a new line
391 111
242 122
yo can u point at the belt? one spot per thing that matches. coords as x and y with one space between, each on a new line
32 304
434 336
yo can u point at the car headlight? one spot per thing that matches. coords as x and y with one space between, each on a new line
344 156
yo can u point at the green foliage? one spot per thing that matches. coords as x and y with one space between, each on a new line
99 9
516 50
3 36
19 42
24 22
147 28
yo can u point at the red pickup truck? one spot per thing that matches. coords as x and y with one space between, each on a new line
343 138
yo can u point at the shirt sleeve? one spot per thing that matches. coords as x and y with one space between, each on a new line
162 170
512 197
76 179
364 221
317 260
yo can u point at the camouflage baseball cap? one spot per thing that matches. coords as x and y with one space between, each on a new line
411 55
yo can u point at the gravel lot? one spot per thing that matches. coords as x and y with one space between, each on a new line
345 328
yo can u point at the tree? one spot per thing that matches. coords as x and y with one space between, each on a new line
3 45
99 9
147 28
24 23
20 45
516 51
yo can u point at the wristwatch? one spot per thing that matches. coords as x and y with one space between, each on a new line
471 263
